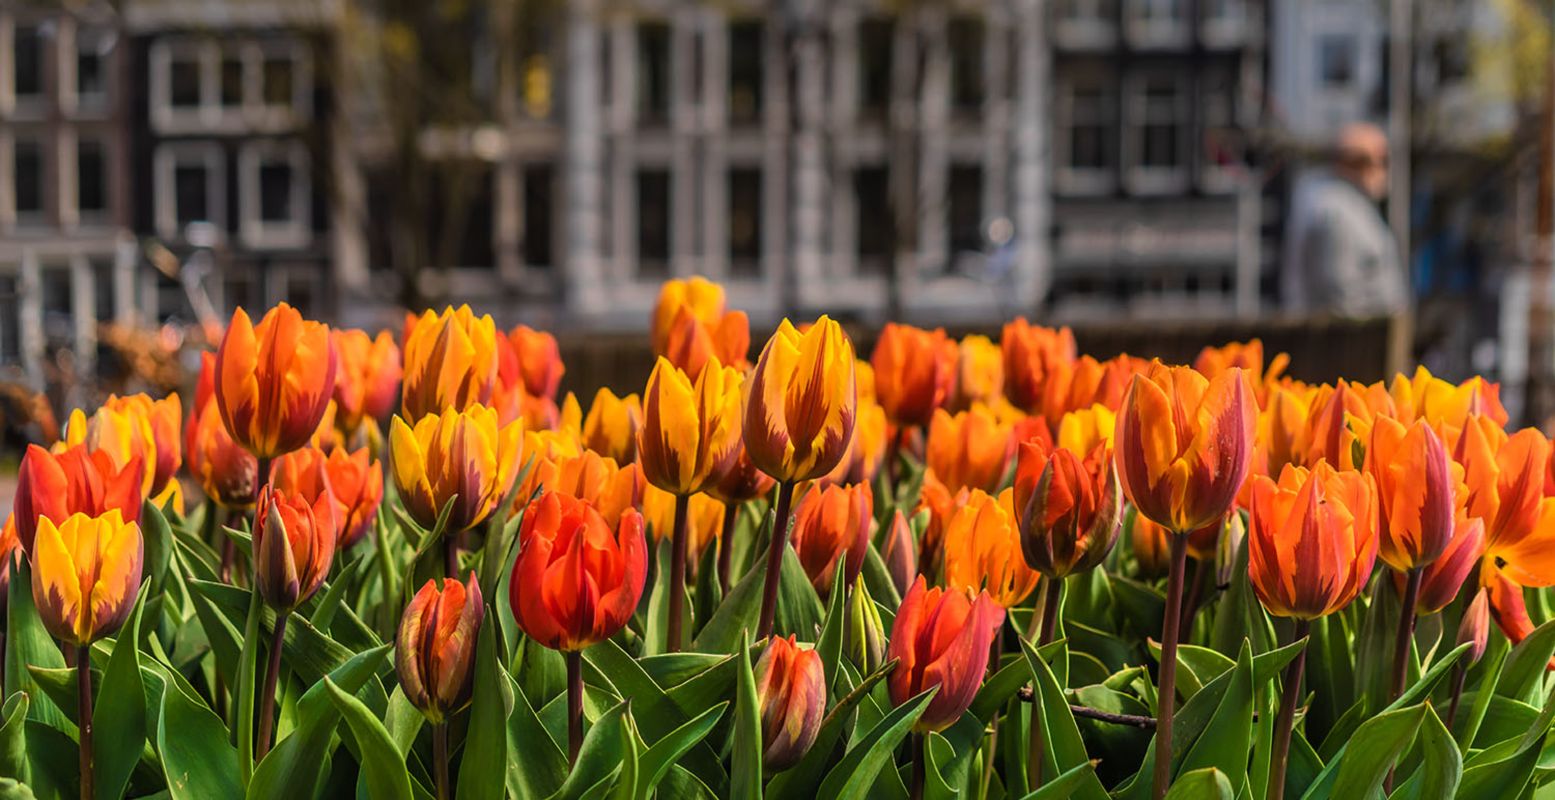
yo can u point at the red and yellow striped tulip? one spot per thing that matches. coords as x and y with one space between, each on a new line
610 429
434 647
1504 476
1184 444
274 381
832 522
134 426
968 450
1033 355
915 370
1312 541
803 402
354 480
1341 423
700 298
743 482
1068 506
294 545
691 428
464 453
791 693
576 580
85 574
983 549
450 362
77 481
941 637
368 379
704 520
867 450
1417 488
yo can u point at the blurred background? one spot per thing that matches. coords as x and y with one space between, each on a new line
1364 183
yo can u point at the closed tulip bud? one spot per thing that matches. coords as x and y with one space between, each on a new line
864 639
983 549
610 429
1442 578
576 581
86 574
1312 541
802 402
76 481
294 545
226 473
914 372
831 521
693 343
867 450
968 450
368 379
134 427
791 693
742 482
454 453
274 381
691 429
1069 508
979 373
450 362
900 559
1474 628
941 637
1184 445
1032 354
539 360
1416 487
434 648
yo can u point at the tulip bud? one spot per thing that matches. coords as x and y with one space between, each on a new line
803 401
791 693
1312 541
941 637
611 427
1229 548
294 545
450 362
1069 508
742 482
434 648
1442 578
691 428
274 381
1416 487
864 639
86 574
1475 627
832 521
900 560
454 453
226 473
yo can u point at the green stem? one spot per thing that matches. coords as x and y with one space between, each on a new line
267 698
440 758
1166 696
1051 599
726 545
1460 673
775 561
677 582
84 717
574 705
1286 721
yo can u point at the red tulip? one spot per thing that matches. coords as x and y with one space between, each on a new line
76 481
942 638
791 693
294 545
832 520
434 649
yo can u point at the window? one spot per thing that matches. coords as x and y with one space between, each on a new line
539 222
275 195
1336 60
1157 131
876 228
1158 22
965 36
231 81
275 192
1223 21
745 71
462 222
1222 141
189 181
92 52
1086 23
745 221
91 178
1087 138
27 160
1454 61
191 194
653 222
965 208
875 54
278 72
184 72
1160 126
653 72
27 58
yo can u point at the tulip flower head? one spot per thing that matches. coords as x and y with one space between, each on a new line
1069 508
742 482
691 429
833 521
294 545
368 378
227 473
134 427
1416 489
610 429
434 648
1446 406
75 481
941 638
1184 444
354 480
450 362
86 574
901 560
1033 355
791 693
1441 579
464 453
802 402
693 343
597 480
1312 541
576 581
915 370
696 297
968 450
983 549
867 450
1504 477
979 373
1474 628
274 381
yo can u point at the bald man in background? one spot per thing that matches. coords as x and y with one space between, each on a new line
1340 256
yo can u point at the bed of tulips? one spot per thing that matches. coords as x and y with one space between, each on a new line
967 569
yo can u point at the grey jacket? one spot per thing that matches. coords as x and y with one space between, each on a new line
1340 256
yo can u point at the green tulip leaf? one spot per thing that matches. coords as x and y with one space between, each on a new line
483 770
746 759
1202 784
598 758
119 718
383 765
853 776
13 736
657 760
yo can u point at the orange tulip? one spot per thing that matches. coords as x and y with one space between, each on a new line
134 427
542 452
274 381
294 545
1031 356
368 378
1249 356
1068 507
539 360
354 480
803 402
455 453
1341 421
867 450
1150 544
941 503
228 474
941 637
691 324
691 428
1282 433
1184 444
1312 541
983 549
914 372
979 373
1445 406
10 551
833 521
434 647
86 574
596 480
969 450
1416 486
611 427
1442 578
576 581
76 481
1505 482
1087 382
791 693
450 362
